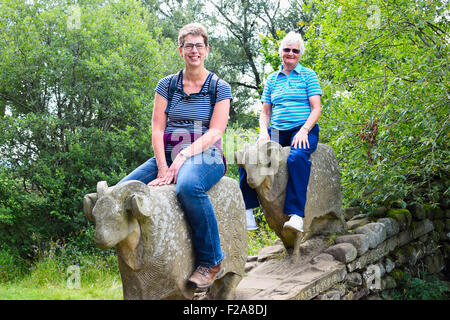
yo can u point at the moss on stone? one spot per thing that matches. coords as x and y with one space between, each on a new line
397 274
402 216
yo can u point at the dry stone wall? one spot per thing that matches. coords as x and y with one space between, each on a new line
370 257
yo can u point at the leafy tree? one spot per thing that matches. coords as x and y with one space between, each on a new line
77 86
384 70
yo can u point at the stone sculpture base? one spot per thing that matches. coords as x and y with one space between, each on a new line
283 276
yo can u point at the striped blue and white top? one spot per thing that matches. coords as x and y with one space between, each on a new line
190 114
289 96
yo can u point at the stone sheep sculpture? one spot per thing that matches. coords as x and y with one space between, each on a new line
267 172
153 239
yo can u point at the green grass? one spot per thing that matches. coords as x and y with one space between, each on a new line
96 291
61 271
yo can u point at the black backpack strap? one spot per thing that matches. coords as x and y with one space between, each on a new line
172 88
212 91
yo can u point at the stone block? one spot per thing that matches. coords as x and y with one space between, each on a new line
357 294
359 241
391 226
353 279
343 252
380 212
404 237
271 252
250 265
372 277
402 216
322 257
435 263
417 211
349 213
411 255
434 213
331 295
389 265
373 255
375 231
421 228
353 224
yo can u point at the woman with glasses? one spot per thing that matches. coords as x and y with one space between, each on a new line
291 105
186 135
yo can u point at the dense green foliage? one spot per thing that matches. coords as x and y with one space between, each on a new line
425 287
383 67
78 100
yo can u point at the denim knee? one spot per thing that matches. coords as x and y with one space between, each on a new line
188 189
297 155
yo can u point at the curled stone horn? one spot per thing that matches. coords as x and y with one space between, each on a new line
102 186
89 201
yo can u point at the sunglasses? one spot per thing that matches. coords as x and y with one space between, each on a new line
287 50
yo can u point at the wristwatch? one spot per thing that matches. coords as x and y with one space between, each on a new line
306 127
185 153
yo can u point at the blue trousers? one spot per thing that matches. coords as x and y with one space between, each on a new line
299 167
197 175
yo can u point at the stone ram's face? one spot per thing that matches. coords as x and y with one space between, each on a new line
111 223
259 161
115 211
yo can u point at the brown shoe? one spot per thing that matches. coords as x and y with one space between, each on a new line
203 277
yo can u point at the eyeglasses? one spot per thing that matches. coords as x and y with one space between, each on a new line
190 46
287 50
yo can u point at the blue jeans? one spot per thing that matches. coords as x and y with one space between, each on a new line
299 167
197 175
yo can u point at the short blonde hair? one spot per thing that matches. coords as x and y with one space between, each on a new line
194 29
292 38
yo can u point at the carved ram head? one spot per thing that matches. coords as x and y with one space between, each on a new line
260 160
116 211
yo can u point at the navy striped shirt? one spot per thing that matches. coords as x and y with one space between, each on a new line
190 114
289 95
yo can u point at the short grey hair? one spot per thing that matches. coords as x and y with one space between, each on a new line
292 38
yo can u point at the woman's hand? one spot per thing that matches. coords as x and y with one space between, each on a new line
169 175
301 139
263 137
162 172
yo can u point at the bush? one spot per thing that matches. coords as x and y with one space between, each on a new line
11 265
429 287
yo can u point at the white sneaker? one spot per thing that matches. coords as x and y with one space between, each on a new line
295 223
251 223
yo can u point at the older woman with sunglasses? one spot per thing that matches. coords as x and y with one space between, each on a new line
186 135
291 105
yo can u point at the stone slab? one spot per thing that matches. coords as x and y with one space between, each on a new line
288 279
